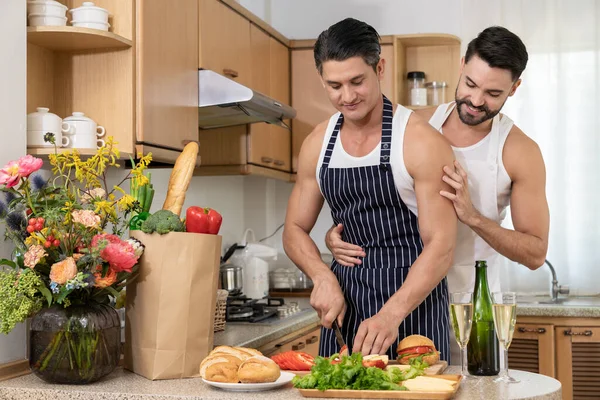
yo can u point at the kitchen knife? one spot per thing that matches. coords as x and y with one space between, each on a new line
338 335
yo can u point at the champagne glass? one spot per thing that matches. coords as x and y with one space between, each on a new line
505 316
461 317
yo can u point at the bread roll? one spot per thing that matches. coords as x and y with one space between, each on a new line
409 343
219 369
242 355
250 352
258 369
229 357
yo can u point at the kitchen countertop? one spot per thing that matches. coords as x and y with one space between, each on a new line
125 385
258 334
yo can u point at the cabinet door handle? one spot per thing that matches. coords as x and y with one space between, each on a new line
279 163
230 72
298 346
266 160
569 332
532 330
312 339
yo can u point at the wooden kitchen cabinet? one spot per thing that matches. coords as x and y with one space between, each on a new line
117 78
309 97
578 361
532 349
306 340
224 45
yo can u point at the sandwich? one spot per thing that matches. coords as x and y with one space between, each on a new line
417 346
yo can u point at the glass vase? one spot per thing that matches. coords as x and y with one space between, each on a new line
75 345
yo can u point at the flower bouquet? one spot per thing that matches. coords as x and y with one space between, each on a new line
69 263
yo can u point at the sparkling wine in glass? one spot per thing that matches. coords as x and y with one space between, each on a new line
505 316
461 317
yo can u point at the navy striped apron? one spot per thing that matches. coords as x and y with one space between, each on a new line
366 201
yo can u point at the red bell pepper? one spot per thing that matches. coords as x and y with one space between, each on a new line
202 220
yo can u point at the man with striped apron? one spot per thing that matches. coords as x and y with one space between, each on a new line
395 164
366 201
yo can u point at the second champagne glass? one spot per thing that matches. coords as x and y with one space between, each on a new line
461 317
505 317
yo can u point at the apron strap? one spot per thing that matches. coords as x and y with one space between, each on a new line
331 144
386 132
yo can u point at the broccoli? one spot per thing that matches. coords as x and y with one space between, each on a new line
163 221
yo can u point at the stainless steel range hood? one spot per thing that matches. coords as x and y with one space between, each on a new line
224 102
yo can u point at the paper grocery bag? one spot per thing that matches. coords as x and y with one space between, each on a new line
171 305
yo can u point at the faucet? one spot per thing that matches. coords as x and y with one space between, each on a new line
556 288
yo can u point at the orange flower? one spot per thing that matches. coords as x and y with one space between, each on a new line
109 279
86 218
34 255
64 270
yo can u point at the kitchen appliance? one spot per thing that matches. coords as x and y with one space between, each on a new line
241 309
232 278
224 102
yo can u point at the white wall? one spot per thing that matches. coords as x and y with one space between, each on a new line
13 67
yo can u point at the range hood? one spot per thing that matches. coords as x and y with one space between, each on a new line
224 102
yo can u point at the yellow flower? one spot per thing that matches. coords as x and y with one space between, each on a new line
64 270
105 207
126 202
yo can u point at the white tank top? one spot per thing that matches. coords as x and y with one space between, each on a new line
341 159
490 189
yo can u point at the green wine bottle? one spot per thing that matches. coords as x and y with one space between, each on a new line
483 350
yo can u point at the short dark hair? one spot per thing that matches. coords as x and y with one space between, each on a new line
345 39
500 48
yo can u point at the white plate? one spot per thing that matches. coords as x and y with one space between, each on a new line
284 378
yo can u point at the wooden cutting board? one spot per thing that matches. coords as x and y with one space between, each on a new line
435 369
386 394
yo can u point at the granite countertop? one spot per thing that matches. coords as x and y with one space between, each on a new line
575 307
258 334
124 385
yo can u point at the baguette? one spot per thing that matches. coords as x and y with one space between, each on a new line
180 178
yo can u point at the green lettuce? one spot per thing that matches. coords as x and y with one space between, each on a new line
351 374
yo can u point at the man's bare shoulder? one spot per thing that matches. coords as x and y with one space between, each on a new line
424 146
520 153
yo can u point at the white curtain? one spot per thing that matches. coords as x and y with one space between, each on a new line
558 106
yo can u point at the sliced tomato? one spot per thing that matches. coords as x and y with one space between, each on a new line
375 360
344 351
294 361
415 350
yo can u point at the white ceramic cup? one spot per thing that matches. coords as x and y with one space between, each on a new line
103 26
46 20
49 8
35 139
89 13
86 142
79 124
43 120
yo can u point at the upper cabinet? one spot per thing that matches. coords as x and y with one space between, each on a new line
224 41
118 78
236 44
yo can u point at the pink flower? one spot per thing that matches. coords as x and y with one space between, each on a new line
104 239
29 164
9 175
87 218
64 270
120 256
34 255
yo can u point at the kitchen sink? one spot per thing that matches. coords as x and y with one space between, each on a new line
563 301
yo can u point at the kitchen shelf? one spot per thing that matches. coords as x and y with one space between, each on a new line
46 151
70 38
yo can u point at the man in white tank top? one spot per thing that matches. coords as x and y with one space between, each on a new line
496 164
358 161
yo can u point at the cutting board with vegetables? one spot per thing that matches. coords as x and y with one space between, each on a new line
435 369
424 388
